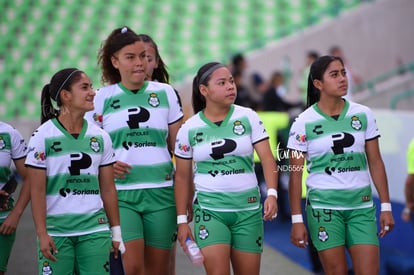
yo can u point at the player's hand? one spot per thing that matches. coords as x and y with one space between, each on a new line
47 247
299 235
121 169
386 223
270 208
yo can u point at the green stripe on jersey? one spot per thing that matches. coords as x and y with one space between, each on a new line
218 132
155 173
326 127
128 99
229 201
226 165
64 145
76 224
349 160
340 199
137 138
81 182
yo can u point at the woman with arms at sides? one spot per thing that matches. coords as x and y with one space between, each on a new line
339 140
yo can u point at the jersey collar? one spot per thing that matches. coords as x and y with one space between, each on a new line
225 120
341 115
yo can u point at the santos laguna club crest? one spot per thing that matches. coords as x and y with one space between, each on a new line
95 144
322 234
238 128
356 123
153 100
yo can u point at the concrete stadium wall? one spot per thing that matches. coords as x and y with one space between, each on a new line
374 38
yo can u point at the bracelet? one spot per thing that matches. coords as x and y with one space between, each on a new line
116 233
385 206
181 219
297 218
272 192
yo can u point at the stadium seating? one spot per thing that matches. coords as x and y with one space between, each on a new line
43 36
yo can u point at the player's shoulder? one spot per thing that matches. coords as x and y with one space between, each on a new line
159 86
358 107
6 127
107 90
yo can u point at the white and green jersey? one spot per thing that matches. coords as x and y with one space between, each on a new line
138 126
224 174
12 147
73 201
335 153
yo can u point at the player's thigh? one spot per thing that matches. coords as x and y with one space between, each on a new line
361 227
92 253
210 227
245 263
247 231
131 224
65 263
326 227
160 228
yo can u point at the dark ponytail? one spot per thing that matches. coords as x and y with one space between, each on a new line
47 111
316 72
202 77
62 80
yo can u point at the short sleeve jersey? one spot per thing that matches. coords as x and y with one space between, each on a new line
73 202
223 156
138 126
12 147
410 158
335 153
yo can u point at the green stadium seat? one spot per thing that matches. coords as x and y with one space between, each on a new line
40 37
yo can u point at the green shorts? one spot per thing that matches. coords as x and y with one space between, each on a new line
149 214
333 228
83 255
243 230
6 245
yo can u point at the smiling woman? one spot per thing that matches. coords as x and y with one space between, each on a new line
65 153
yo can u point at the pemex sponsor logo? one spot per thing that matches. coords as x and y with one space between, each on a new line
64 192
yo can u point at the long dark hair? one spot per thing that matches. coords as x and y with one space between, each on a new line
118 39
160 73
202 77
62 80
316 71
